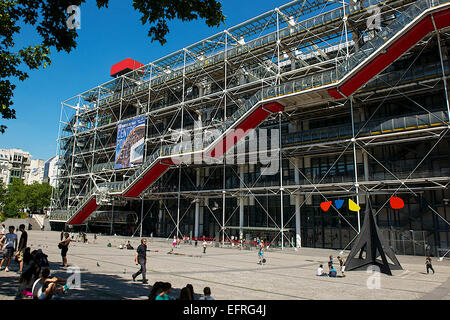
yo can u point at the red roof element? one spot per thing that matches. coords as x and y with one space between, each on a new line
405 42
124 66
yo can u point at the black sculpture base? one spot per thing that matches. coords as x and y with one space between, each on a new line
369 247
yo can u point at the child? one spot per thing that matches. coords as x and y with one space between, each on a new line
428 264
261 256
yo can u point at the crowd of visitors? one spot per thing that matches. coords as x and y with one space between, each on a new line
37 281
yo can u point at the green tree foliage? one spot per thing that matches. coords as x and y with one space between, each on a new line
20 196
15 199
38 196
49 18
2 193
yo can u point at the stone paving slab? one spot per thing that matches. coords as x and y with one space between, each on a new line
230 273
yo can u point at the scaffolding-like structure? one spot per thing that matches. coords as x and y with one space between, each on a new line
357 91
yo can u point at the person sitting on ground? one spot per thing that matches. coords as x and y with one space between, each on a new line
165 290
129 246
191 289
156 290
46 287
206 294
185 294
333 272
31 272
320 272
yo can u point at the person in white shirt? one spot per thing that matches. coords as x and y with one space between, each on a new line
320 272
207 294
205 244
3 229
9 242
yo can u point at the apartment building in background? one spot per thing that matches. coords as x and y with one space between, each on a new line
16 163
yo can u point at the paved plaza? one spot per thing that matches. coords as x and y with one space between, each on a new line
232 274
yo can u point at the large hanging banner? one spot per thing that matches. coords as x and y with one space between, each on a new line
130 143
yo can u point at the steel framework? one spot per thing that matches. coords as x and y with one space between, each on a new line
287 69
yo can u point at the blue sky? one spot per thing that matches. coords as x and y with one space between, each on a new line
106 37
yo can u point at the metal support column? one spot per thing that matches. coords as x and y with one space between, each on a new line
281 185
197 205
297 198
241 203
142 217
355 164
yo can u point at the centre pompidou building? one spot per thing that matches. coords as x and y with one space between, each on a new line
353 98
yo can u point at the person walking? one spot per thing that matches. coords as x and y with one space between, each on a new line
261 256
9 241
22 245
204 246
141 258
64 246
429 265
341 265
174 242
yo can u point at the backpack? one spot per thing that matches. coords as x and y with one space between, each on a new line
40 258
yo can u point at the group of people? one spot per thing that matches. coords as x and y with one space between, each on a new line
176 242
12 247
35 278
332 272
161 291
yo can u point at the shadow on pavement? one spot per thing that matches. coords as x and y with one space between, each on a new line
9 285
94 286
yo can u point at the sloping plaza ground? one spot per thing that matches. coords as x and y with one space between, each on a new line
232 274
